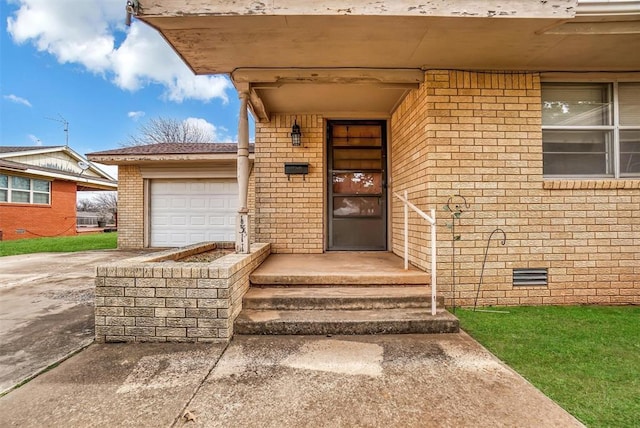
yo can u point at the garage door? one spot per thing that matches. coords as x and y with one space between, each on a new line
184 212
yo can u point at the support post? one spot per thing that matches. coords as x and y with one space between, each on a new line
434 259
406 232
242 221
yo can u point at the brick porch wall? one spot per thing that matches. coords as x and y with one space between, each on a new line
479 135
144 299
289 212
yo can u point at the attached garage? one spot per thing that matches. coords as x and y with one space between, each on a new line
176 194
184 212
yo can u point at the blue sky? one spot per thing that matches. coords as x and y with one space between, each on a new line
78 61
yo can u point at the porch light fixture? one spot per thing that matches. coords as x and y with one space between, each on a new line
296 134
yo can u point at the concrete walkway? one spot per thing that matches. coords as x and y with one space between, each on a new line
46 309
285 381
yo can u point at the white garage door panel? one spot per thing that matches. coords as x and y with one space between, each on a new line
185 211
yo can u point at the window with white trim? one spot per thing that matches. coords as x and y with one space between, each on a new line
591 130
23 190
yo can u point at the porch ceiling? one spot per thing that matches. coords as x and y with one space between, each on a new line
221 44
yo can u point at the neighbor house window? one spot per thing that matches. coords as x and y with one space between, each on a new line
23 190
591 129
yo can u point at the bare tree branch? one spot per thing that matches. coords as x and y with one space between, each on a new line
167 130
106 201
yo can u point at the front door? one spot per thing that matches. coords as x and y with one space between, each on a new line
357 185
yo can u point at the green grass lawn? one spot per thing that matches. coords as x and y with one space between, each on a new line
98 241
586 358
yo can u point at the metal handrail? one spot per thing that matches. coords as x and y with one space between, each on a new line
432 222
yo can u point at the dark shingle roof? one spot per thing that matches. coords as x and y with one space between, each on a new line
12 165
13 149
173 149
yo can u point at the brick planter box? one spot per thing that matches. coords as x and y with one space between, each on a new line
146 299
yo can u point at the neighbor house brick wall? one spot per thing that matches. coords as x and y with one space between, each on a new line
289 211
478 134
130 207
56 219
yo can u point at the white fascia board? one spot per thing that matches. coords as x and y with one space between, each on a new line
139 159
561 9
68 177
32 152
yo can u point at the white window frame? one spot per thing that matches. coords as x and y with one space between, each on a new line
31 191
615 127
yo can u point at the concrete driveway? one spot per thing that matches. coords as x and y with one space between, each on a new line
445 380
46 309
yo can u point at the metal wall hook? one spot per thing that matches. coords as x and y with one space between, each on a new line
484 262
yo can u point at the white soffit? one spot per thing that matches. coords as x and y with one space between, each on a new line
375 92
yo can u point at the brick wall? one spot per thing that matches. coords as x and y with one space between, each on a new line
147 300
289 212
130 207
479 135
57 219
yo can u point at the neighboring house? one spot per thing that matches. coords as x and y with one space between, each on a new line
174 194
95 218
38 188
530 111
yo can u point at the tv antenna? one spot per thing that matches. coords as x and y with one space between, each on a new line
65 122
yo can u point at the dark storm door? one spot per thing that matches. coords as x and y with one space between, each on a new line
357 185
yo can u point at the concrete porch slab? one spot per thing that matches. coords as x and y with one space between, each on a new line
337 268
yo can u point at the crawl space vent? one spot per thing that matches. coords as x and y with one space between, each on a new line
536 276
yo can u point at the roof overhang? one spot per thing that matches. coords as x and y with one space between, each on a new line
57 149
300 57
158 159
83 182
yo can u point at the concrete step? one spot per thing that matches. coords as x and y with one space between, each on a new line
346 298
323 322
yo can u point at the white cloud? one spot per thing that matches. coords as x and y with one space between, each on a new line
18 100
85 33
215 133
135 115
35 139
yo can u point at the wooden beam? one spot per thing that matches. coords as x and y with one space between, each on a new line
327 75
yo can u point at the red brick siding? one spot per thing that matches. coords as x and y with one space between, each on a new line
57 219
